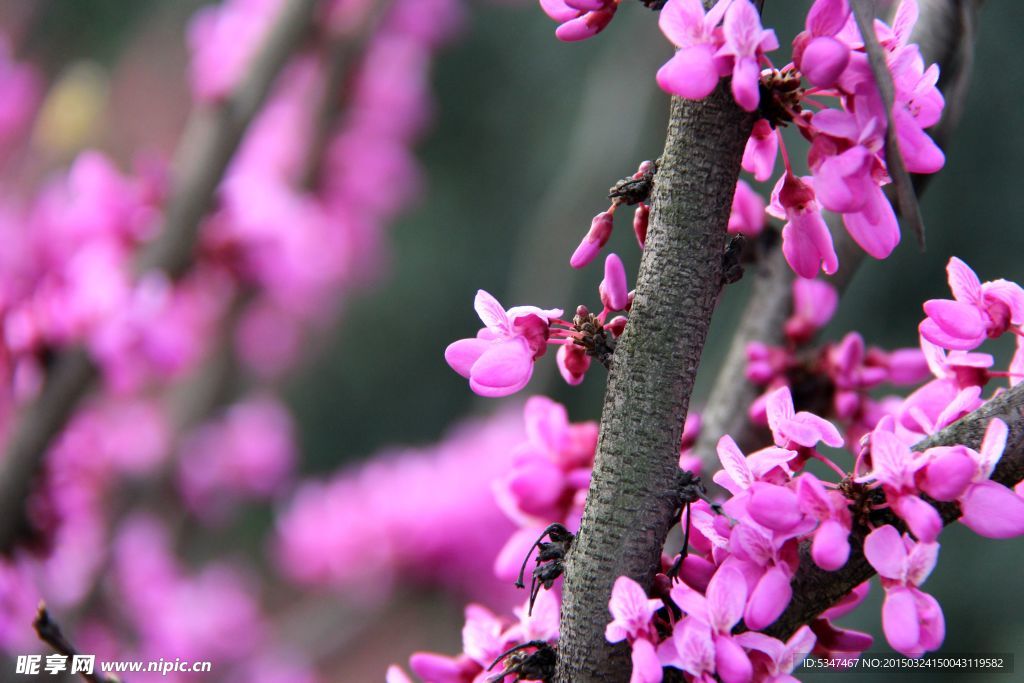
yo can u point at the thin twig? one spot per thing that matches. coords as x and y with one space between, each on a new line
209 142
50 633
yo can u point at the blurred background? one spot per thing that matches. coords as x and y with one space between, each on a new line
523 136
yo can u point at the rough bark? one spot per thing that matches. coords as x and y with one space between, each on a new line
633 499
815 590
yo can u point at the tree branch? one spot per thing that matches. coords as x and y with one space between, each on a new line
49 632
945 32
634 496
209 142
815 590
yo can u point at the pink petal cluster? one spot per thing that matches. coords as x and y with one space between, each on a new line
727 40
485 637
248 453
580 19
912 619
547 480
499 361
845 372
352 531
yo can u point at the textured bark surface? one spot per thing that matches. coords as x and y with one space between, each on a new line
815 590
634 495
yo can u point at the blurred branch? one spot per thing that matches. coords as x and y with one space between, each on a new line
815 590
340 60
49 632
946 33
211 137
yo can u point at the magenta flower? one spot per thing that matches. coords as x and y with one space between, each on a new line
894 467
693 72
989 508
703 642
978 311
632 612
761 151
573 363
806 241
598 235
746 41
779 660
790 428
814 303
767 559
499 360
613 288
831 545
739 472
747 215
912 620
819 55
579 19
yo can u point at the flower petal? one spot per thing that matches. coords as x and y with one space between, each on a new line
992 510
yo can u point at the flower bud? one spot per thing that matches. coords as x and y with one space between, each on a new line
598 235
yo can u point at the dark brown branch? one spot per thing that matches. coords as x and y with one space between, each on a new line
634 497
815 590
945 31
209 142
49 632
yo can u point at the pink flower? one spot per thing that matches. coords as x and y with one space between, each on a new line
613 288
761 150
747 215
499 361
806 241
814 303
703 642
894 466
598 235
912 620
631 610
579 19
573 363
693 72
790 428
641 221
746 41
819 55
779 658
831 545
978 311
989 508
739 473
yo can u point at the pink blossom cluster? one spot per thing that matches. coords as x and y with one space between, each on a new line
297 223
740 563
840 377
847 153
743 553
499 360
547 480
485 638
422 513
